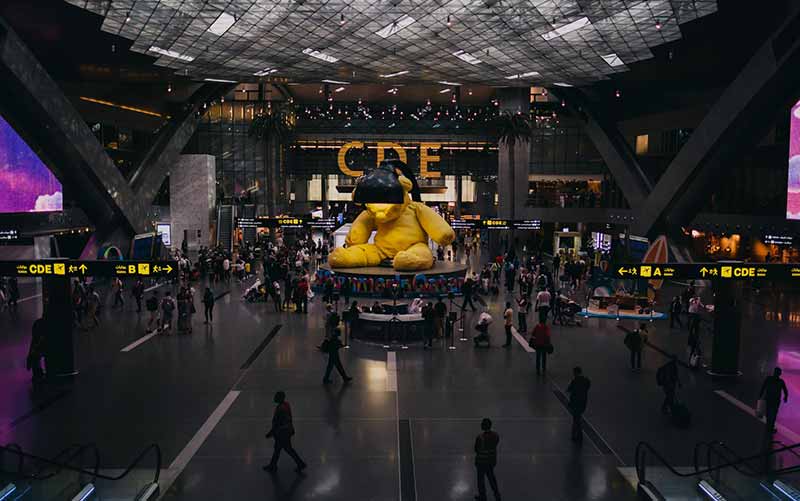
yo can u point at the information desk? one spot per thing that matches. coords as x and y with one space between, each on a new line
386 328
622 302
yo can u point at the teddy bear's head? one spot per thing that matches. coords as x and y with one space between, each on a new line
384 192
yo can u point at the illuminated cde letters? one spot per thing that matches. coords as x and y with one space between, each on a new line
425 157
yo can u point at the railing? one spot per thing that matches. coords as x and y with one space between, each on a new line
15 450
643 449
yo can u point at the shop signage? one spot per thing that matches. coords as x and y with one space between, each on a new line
527 224
723 271
464 224
9 235
425 156
323 223
70 268
247 222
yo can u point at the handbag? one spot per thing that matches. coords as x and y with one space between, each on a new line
761 406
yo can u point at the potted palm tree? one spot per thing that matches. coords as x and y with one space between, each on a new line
276 128
513 128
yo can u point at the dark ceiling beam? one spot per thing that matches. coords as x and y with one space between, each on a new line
170 141
735 124
35 104
610 143
285 92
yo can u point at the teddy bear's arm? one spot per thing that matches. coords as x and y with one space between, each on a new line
361 229
434 225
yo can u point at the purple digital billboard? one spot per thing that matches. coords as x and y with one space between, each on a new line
26 184
793 190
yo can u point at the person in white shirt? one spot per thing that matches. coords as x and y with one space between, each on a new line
695 307
543 305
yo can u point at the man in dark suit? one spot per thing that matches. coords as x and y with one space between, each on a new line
486 459
282 431
578 390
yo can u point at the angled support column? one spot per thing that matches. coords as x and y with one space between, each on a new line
35 104
165 152
739 119
611 145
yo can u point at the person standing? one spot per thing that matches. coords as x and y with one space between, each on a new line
695 307
428 315
152 309
675 310
468 288
282 432
13 294
92 305
634 341
667 377
771 391
440 313
116 287
543 344
543 304
508 317
578 391
331 346
138 294
486 459
208 305
37 349
523 306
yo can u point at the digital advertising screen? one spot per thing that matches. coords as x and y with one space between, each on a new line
26 184
793 188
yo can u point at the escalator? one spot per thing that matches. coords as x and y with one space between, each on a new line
720 474
75 474
225 226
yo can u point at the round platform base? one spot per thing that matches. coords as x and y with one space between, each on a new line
444 269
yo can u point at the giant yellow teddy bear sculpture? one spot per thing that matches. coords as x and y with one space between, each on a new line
402 231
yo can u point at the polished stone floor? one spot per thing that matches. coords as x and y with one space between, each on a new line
403 430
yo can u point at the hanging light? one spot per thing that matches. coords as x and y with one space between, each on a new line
222 99
449 23
617 93
169 87
341 19
658 24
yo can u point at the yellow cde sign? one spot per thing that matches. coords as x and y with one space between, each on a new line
425 157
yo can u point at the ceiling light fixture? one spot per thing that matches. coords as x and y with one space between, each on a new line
567 28
169 87
523 75
336 82
393 90
220 80
320 55
120 106
396 26
467 57
445 91
265 72
395 74
658 24
222 24
339 89
341 19
445 82
562 84
171 53
449 23
613 60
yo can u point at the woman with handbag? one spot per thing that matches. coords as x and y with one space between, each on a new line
541 342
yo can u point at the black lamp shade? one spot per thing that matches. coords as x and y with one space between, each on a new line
379 186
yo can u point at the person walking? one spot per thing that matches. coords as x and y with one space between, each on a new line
468 289
92 305
138 293
668 378
771 391
508 317
578 391
116 287
486 459
331 346
439 315
543 300
542 343
282 432
428 315
675 309
523 306
634 341
167 308
208 305
151 305
13 294
696 306
36 350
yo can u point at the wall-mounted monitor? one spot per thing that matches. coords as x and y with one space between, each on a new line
26 184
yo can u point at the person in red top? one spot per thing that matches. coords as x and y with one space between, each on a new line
540 341
282 431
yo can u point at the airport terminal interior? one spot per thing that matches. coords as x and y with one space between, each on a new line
399 250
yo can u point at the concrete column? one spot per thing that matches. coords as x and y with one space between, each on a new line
459 194
192 194
512 183
324 195
727 328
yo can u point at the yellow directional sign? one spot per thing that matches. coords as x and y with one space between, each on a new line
69 268
709 271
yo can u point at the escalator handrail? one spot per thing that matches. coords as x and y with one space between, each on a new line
79 452
21 461
642 448
152 447
721 449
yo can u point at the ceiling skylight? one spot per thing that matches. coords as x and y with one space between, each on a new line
613 60
567 28
222 24
467 57
396 26
320 55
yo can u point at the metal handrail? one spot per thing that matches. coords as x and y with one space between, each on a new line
721 449
643 448
15 449
79 452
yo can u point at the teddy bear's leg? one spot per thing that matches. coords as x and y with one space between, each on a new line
416 257
355 256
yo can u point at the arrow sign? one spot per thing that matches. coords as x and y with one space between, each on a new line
621 271
168 269
83 268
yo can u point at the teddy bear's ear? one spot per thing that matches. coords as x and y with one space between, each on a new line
405 183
